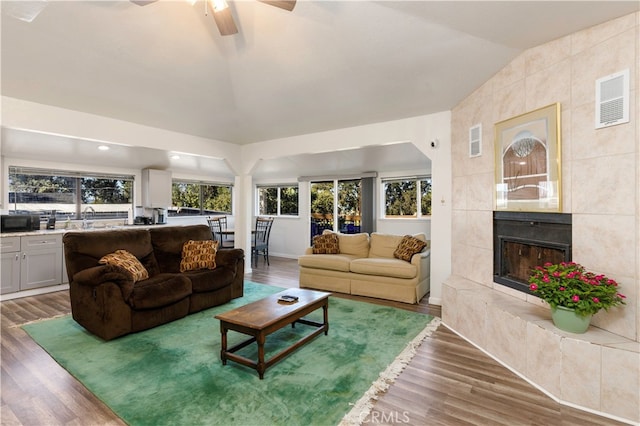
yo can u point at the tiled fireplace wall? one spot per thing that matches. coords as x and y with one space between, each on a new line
600 173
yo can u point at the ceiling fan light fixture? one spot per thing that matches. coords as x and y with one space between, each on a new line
219 5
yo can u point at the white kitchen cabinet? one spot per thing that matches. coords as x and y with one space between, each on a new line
10 265
156 188
40 261
30 262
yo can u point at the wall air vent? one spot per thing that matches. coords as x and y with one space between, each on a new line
612 99
475 141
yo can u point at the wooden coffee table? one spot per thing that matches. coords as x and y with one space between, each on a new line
261 318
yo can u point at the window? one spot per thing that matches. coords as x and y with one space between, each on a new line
401 197
278 200
190 198
349 200
346 196
322 194
67 194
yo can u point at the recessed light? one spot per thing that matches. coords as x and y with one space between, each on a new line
103 148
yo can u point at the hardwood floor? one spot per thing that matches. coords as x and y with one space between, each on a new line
449 381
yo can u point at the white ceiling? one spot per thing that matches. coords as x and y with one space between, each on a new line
375 158
52 148
325 65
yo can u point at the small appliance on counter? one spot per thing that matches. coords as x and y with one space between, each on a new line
19 223
159 216
51 220
143 220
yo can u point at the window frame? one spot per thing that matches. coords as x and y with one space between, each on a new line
200 210
78 193
279 188
418 196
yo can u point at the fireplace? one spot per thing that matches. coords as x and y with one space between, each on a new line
524 240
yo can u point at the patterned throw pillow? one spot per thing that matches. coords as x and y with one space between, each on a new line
126 261
325 244
408 247
198 255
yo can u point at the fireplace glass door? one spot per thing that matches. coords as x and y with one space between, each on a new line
521 258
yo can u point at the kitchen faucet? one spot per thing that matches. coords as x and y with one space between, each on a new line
86 224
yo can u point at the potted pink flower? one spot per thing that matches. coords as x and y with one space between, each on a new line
573 291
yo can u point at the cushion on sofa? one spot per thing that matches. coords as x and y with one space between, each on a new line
160 290
352 244
325 244
168 242
334 262
198 255
84 249
204 280
395 268
127 261
383 245
408 247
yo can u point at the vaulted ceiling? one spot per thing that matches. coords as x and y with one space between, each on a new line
325 65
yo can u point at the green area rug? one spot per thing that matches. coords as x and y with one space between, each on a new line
172 374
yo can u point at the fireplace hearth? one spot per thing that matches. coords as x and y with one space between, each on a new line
524 240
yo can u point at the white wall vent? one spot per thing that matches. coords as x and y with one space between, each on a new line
612 99
475 141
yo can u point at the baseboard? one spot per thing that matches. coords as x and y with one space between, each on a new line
33 292
435 301
286 256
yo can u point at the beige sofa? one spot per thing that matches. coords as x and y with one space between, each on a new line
366 266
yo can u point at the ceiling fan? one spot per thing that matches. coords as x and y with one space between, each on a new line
28 10
222 14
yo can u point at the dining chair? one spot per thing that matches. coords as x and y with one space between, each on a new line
218 226
228 238
260 243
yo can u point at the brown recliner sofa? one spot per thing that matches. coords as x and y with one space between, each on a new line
106 301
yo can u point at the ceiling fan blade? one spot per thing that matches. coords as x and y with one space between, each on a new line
282 4
143 2
224 21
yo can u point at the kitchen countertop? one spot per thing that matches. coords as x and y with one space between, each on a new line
62 230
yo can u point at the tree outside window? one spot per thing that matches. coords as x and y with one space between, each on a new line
106 191
216 199
349 197
345 195
425 197
268 201
278 200
402 195
289 201
195 198
322 198
67 193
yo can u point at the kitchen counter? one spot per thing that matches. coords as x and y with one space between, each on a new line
74 229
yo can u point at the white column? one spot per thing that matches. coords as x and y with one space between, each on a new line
243 215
